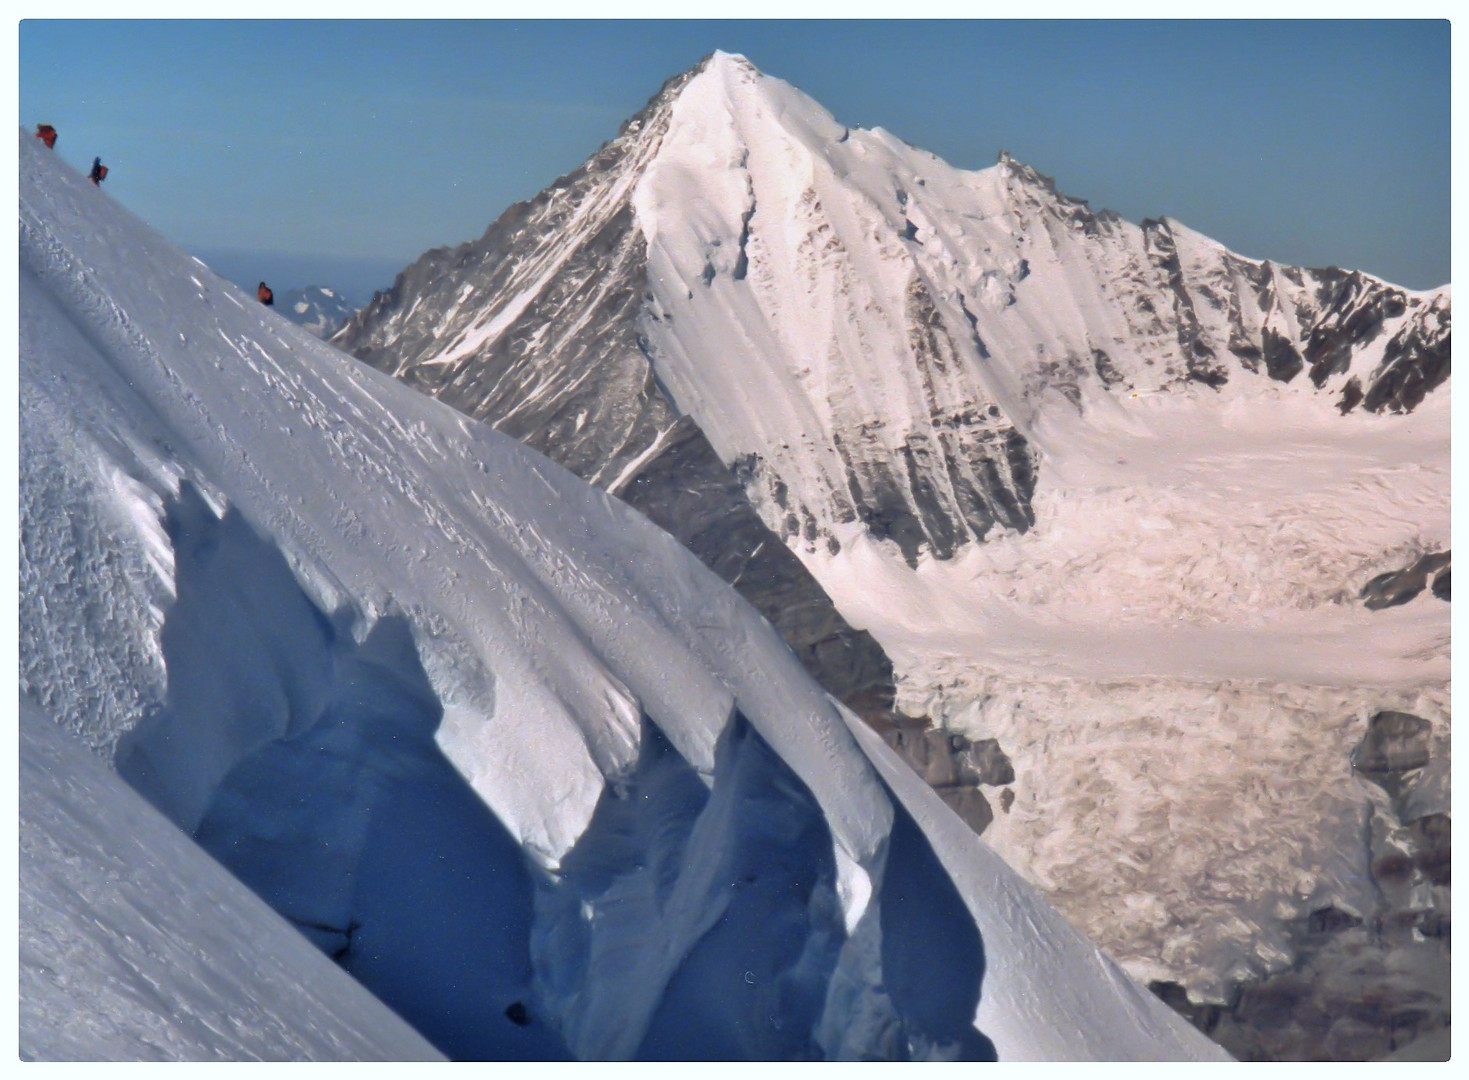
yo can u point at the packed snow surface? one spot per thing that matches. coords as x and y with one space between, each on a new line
375 656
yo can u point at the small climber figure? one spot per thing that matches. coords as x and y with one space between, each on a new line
47 134
264 295
98 173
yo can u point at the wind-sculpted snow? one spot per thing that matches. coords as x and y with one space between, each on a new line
305 762
397 671
743 934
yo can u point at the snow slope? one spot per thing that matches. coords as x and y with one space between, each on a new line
414 682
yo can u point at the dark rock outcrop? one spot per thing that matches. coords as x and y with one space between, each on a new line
1363 985
970 804
952 764
1399 586
1395 742
1414 362
1441 583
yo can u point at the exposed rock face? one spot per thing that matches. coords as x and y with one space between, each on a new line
953 765
1414 362
1399 586
1363 985
1395 742
1196 312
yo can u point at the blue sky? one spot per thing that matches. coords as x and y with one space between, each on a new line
301 151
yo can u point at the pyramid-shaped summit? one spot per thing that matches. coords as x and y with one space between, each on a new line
867 337
562 326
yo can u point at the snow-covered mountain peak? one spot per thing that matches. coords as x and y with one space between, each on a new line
871 337
316 308
719 60
747 91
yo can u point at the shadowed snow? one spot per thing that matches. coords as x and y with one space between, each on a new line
136 946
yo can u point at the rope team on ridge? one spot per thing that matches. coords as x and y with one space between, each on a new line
47 134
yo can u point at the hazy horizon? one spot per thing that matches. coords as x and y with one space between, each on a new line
356 278
370 142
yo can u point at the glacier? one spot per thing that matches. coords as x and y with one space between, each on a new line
474 728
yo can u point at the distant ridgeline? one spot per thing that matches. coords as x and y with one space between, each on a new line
316 308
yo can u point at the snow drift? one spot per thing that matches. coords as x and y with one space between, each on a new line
502 748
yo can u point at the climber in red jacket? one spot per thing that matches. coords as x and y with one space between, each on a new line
47 134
